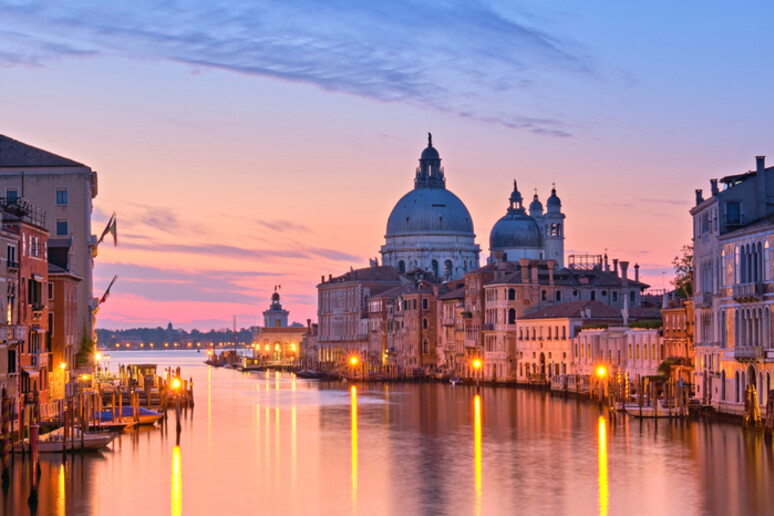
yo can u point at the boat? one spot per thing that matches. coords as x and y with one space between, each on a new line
307 373
250 364
54 442
648 411
455 381
144 416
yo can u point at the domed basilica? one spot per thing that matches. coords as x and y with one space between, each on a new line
431 229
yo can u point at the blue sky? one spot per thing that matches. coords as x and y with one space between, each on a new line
274 137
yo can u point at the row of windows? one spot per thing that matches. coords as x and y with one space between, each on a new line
62 196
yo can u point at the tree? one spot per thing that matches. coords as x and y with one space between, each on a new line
85 351
683 281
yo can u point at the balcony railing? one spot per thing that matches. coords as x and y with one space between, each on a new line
748 291
749 352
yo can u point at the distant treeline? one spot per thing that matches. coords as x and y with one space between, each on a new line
158 336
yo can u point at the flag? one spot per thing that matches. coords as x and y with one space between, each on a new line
107 292
110 228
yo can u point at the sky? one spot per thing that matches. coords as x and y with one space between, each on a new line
246 144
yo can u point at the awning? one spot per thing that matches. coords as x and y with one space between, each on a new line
31 372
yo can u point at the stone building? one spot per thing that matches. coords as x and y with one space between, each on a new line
430 228
733 236
64 189
276 340
12 335
62 314
536 236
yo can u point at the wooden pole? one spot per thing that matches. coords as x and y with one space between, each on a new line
6 438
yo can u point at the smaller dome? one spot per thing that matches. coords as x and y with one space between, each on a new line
430 153
535 207
554 204
275 297
515 230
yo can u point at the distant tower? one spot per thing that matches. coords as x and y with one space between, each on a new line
553 224
275 316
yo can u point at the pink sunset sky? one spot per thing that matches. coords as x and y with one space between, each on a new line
246 146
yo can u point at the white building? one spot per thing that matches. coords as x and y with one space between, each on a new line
430 228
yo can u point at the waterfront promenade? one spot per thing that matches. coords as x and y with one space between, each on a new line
269 443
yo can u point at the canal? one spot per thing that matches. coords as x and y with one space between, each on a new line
269 443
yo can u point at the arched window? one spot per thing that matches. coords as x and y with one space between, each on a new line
593 295
544 295
434 265
511 294
736 386
558 295
424 347
631 296
448 268
424 324
402 266
512 316
615 297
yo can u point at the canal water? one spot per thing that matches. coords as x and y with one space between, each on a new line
274 444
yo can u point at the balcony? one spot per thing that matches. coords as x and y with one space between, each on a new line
12 265
447 321
39 360
749 353
746 292
488 326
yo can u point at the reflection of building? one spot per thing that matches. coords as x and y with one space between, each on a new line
64 189
733 237
276 340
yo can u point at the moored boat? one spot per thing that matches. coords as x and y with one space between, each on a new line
144 416
54 442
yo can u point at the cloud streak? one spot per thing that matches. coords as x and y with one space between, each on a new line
459 56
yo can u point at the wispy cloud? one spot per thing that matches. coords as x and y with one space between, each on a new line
282 226
231 251
466 57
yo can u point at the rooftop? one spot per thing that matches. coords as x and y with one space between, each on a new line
14 153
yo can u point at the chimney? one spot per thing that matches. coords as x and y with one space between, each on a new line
498 255
760 168
664 302
615 266
699 198
322 278
551 264
636 272
330 277
308 323
607 264
524 264
714 187
624 270
534 269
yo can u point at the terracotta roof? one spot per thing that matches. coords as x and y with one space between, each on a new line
574 310
453 294
380 273
14 153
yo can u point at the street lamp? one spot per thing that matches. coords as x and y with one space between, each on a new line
601 373
477 367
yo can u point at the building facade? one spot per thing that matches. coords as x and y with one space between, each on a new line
64 189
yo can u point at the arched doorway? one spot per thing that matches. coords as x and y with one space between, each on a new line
543 364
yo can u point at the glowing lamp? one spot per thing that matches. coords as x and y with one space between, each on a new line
477 363
601 371
176 383
353 360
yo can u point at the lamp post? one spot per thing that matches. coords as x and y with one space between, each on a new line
353 362
601 373
477 369
176 383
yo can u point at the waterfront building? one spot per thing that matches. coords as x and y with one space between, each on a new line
544 339
524 287
63 188
677 333
632 351
451 330
430 228
27 223
276 340
342 311
63 314
733 236
12 335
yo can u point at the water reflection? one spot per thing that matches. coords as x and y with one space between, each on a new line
295 446
603 492
353 391
176 495
477 449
